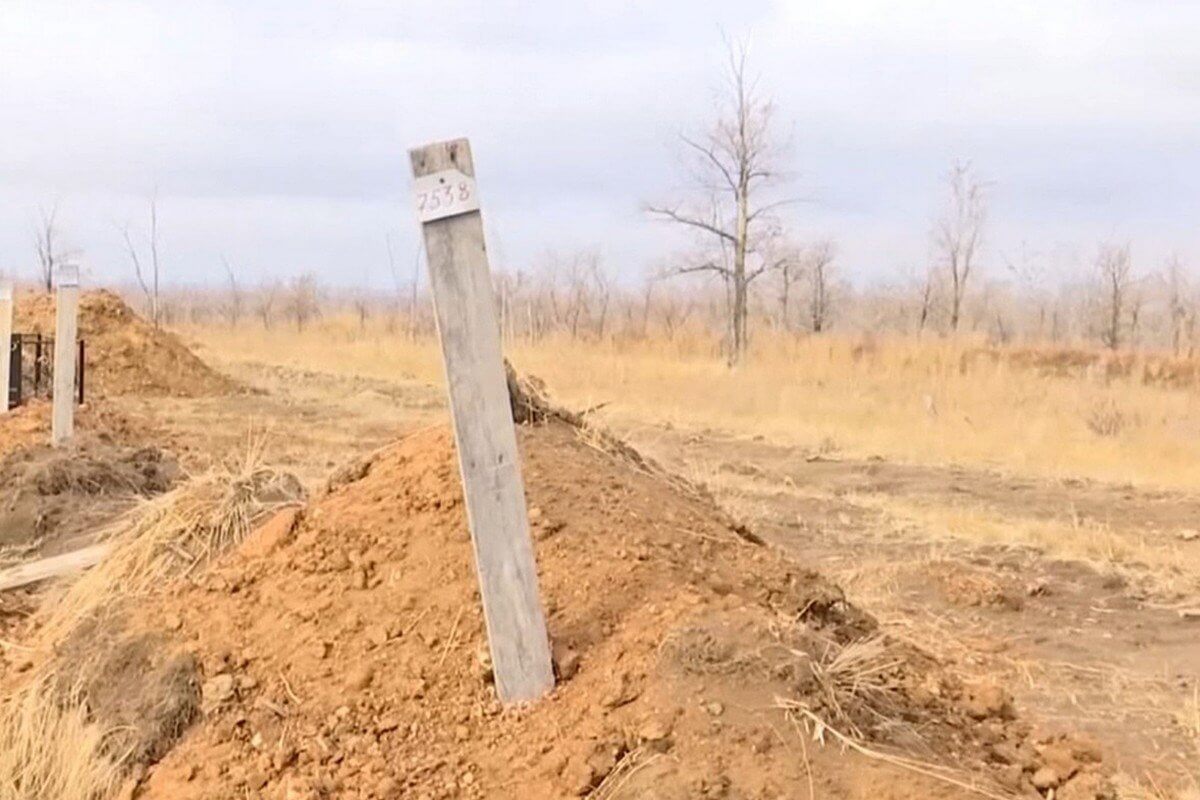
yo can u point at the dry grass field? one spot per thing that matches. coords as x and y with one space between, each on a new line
928 401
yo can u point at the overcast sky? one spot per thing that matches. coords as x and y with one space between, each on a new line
275 134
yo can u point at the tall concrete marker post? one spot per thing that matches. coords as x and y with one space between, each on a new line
6 325
62 426
465 307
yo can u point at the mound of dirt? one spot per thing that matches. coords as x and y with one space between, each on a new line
342 654
125 354
50 498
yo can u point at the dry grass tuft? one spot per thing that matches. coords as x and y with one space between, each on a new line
617 782
51 750
171 536
1105 418
810 724
862 674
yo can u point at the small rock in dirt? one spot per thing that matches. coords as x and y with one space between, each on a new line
1088 786
620 693
566 662
1007 753
1065 756
339 561
762 742
271 535
714 708
602 761
255 779
300 789
283 757
1045 778
483 664
360 678
656 731
218 691
377 635
985 700
172 622
1189 535
1010 776
578 778
386 724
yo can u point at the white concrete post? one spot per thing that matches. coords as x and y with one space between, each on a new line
62 426
6 323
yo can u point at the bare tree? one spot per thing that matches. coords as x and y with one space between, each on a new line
734 163
1114 267
647 301
1180 308
361 302
264 307
301 302
46 240
958 235
922 286
601 292
820 277
149 284
674 312
787 264
235 302
1030 269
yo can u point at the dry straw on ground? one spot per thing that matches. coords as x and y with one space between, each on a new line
52 745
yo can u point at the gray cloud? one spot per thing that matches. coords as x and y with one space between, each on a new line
276 133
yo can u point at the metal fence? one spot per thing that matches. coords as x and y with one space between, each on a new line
31 368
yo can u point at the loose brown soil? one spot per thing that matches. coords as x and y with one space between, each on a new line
1087 647
55 499
125 354
343 656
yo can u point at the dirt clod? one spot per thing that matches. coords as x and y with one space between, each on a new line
1045 778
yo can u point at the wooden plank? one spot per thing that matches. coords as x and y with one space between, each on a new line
6 323
53 567
62 426
483 429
